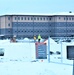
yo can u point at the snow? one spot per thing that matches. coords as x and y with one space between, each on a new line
34 68
46 14
20 59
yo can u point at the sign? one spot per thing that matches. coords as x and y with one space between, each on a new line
70 52
41 51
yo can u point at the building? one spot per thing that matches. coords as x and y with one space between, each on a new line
23 26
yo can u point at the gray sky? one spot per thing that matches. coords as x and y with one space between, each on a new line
36 6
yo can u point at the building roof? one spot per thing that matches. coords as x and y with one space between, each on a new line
41 14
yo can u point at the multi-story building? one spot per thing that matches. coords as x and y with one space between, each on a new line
29 25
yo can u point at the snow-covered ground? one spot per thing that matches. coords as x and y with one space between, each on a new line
19 59
34 68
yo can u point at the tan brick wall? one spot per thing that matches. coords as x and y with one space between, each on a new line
2 22
8 22
5 22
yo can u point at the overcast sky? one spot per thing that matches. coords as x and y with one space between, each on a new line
36 6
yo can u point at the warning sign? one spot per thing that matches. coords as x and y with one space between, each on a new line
41 50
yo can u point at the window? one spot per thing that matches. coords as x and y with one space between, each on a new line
44 18
31 18
28 18
22 30
8 31
59 17
25 18
37 18
47 18
69 18
41 18
15 31
8 18
72 18
9 24
34 18
18 18
21 18
15 18
66 18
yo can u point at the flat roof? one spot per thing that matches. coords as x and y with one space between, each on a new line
39 14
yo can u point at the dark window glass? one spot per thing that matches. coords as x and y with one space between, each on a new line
8 31
15 18
8 18
18 18
21 18
59 17
25 18
9 24
28 18
37 18
72 18
69 18
41 18
44 18
47 18
34 18
31 18
66 18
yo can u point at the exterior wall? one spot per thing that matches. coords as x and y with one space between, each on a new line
64 29
30 29
30 25
8 21
64 18
64 26
2 22
6 26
